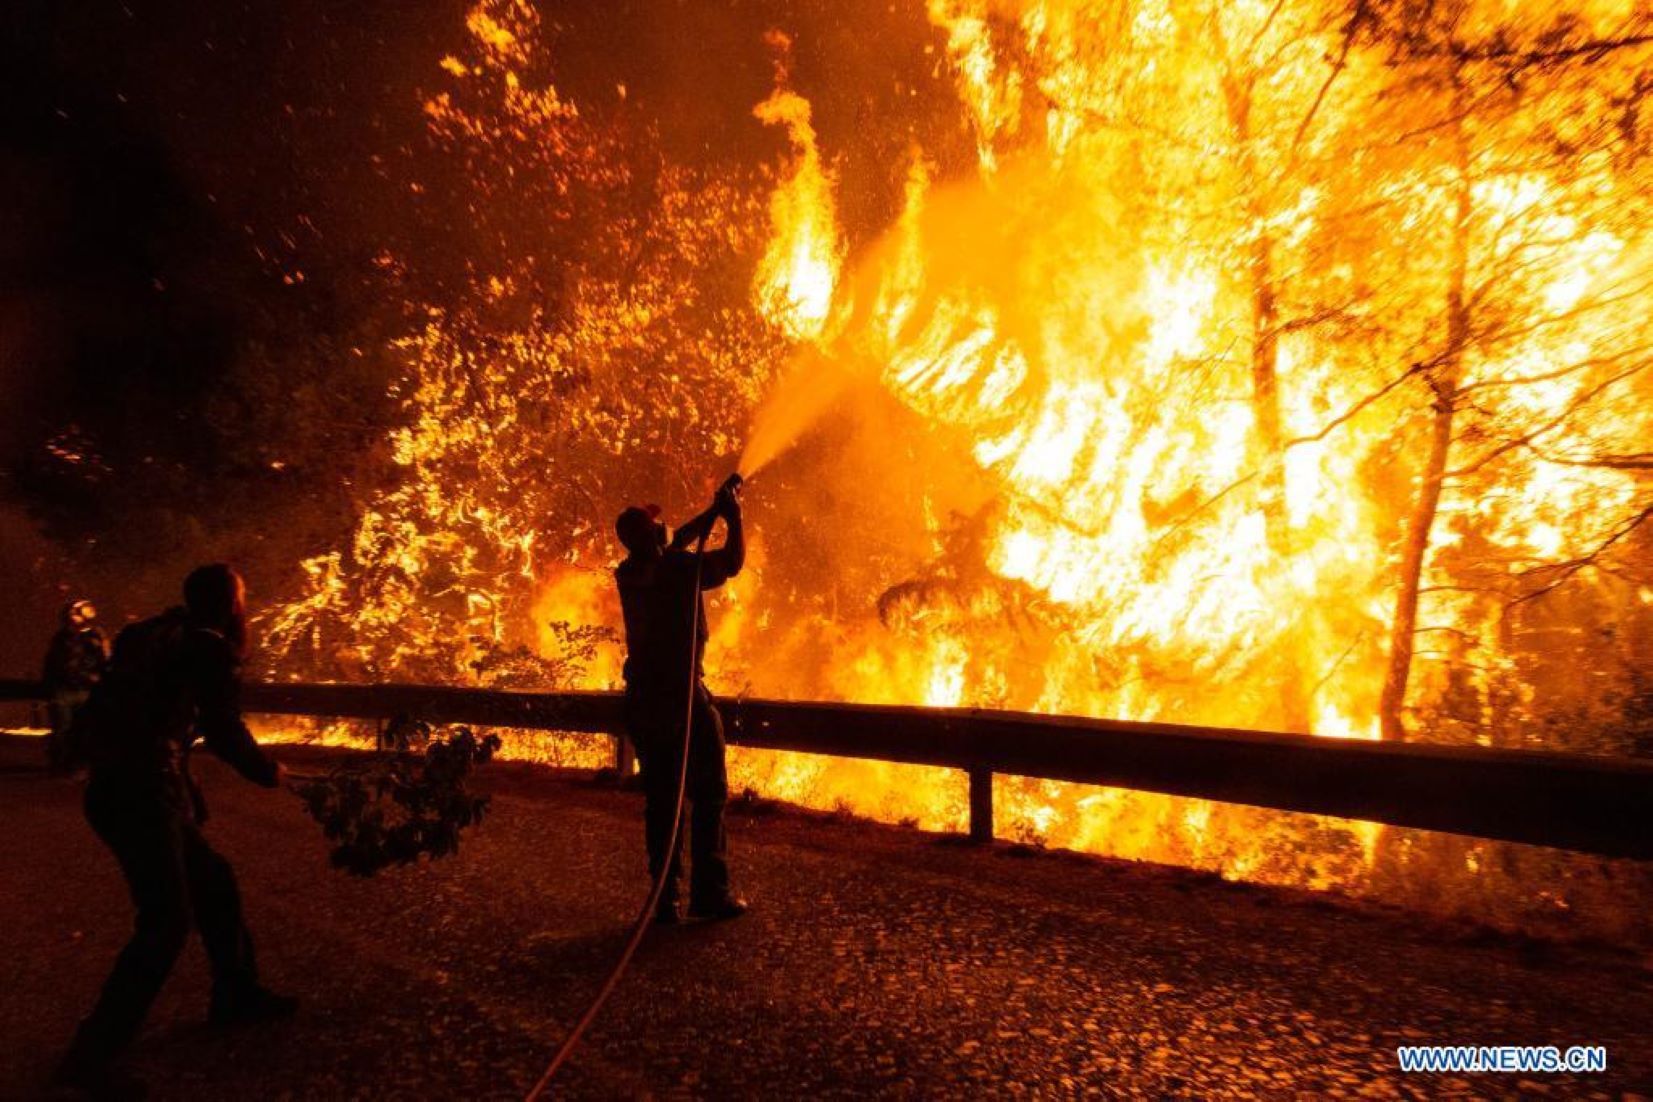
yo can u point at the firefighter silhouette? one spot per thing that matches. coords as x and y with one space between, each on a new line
74 662
172 678
664 686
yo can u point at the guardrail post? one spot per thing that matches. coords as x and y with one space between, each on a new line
981 805
625 758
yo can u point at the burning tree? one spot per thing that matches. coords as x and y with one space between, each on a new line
588 356
1513 129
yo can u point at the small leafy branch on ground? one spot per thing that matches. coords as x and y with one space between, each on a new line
405 802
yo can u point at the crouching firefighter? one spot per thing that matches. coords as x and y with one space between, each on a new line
171 679
664 688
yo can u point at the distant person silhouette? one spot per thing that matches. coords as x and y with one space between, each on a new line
74 662
657 595
171 678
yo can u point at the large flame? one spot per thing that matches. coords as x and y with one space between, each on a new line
799 269
1129 419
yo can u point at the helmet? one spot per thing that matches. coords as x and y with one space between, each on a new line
639 527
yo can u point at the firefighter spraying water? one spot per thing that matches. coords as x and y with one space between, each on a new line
671 720
660 582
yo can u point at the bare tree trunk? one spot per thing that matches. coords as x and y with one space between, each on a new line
1268 440
1265 392
1444 382
1296 698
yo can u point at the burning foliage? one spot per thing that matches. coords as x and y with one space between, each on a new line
1274 365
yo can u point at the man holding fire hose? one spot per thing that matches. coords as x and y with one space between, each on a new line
659 600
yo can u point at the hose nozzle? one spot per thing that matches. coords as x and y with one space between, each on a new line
732 483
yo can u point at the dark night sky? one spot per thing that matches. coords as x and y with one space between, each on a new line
167 169
156 163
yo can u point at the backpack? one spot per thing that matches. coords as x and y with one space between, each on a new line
130 705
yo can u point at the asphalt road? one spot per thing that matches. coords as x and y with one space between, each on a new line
877 961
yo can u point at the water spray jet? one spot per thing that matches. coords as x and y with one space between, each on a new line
812 383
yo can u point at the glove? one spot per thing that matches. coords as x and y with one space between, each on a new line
727 499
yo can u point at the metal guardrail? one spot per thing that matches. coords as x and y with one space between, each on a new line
1567 801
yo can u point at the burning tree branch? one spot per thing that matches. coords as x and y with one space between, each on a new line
1561 573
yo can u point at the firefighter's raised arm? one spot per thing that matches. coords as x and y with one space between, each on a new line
694 530
732 555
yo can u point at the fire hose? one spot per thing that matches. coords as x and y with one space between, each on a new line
644 917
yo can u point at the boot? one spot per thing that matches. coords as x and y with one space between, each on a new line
717 909
665 908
